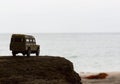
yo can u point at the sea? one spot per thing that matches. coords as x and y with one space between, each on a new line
89 52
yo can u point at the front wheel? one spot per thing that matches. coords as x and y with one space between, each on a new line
38 52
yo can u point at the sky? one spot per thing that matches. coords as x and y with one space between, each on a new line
59 16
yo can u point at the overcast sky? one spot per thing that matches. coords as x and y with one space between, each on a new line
43 16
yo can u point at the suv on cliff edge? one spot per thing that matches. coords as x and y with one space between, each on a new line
25 44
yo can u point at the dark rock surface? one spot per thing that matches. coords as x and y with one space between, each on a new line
37 70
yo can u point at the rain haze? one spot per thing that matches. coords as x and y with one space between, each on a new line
62 16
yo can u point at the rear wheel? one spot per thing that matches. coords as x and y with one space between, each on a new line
38 52
13 53
28 52
23 54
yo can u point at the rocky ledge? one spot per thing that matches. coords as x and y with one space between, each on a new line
37 70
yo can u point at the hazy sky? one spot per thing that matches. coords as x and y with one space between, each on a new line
27 16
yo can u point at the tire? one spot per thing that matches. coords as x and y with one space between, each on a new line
38 52
23 54
28 52
13 53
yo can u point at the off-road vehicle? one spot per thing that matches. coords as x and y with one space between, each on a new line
25 44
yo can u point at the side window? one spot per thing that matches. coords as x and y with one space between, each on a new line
30 40
34 41
17 39
22 40
27 40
